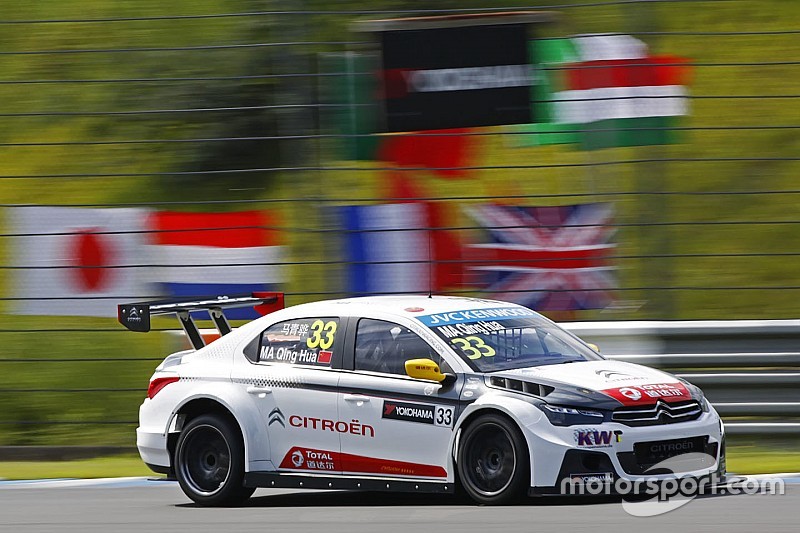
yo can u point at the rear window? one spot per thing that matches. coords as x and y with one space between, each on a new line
300 341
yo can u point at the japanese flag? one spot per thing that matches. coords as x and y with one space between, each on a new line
75 261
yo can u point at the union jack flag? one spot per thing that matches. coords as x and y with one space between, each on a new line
546 258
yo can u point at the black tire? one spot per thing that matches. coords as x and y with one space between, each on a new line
493 462
209 462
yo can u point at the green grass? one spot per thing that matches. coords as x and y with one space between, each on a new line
755 461
32 417
748 455
121 466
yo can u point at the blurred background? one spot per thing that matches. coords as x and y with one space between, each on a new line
643 166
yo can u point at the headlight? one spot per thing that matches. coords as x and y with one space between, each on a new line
570 416
697 394
703 404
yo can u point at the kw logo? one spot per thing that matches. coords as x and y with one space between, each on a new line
276 416
584 437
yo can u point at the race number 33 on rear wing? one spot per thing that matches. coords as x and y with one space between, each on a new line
136 316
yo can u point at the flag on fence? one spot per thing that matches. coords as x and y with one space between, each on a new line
351 111
546 258
445 153
394 248
386 248
83 262
350 107
73 261
607 91
550 55
209 254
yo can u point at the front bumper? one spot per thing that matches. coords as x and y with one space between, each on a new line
607 452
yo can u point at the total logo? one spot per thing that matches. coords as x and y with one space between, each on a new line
633 394
597 438
307 459
297 458
649 393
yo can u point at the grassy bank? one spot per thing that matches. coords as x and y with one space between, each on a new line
122 466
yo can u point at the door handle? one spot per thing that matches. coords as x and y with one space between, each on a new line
356 398
258 390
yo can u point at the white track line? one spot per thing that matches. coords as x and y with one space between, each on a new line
100 483
792 478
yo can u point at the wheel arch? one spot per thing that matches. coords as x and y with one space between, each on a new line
495 482
470 416
206 472
203 404
489 409
519 412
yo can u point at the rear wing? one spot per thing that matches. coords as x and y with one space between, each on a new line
136 316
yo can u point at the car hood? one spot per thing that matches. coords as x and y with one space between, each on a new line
607 382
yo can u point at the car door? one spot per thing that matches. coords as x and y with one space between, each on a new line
289 373
403 426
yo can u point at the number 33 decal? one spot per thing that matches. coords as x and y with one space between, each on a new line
473 347
443 417
321 334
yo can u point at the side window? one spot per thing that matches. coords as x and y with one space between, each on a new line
385 347
302 341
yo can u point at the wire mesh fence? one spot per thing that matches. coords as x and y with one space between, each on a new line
176 150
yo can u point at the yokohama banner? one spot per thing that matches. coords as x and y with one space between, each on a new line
457 77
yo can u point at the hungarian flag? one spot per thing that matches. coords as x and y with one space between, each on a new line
550 258
74 261
605 91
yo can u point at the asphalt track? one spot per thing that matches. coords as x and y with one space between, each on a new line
136 505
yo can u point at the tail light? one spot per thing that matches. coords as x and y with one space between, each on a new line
159 383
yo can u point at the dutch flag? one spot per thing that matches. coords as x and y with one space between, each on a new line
212 254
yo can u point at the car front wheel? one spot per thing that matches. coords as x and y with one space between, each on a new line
209 462
493 463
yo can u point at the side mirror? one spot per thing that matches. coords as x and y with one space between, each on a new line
594 347
427 369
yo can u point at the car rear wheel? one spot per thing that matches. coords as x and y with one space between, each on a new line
493 461
209 462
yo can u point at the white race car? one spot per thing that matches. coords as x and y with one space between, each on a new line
408 393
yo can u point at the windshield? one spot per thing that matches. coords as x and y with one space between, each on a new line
507 343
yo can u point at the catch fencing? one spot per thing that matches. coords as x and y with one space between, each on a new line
135 115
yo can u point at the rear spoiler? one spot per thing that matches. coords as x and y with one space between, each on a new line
136 316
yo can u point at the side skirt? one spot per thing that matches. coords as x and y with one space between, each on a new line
158 469
306 481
